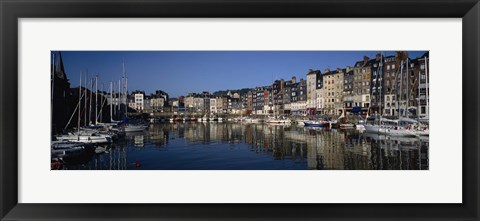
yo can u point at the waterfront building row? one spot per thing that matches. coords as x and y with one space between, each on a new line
384 85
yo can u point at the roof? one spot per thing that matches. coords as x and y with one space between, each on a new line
370 62
427 54
359 64
331 72
310 72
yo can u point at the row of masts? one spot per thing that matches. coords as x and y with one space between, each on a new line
120 96
400 92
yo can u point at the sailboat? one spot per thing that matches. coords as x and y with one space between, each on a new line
128 127
398 127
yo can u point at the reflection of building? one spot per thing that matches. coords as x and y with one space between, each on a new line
138 141
334 151
302 147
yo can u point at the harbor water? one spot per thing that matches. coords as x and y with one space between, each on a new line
239 146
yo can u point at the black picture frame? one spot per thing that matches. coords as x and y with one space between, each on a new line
12 10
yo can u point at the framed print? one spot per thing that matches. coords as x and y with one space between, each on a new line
318 110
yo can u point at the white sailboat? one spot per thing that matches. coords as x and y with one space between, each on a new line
399 127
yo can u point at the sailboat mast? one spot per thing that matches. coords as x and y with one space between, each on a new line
376 87
126 88
85 107
101 102
381 83
122 95
79 100
126 96
119 92
90 102
400 89
418 99
96 99
426 85
408 98
111 102
123 81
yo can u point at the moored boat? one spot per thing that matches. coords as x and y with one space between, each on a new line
276 120
314 123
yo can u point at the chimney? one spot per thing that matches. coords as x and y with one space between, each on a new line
401 55
378 56
294 79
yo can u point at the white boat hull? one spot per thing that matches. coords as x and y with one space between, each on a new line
388 131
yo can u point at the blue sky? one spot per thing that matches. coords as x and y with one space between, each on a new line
181 72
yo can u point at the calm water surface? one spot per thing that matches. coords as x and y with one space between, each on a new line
235 146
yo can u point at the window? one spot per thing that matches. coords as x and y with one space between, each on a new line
393 66
388 67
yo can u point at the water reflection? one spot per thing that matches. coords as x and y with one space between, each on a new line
221 146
